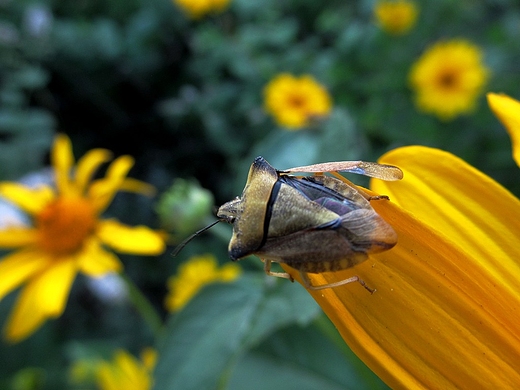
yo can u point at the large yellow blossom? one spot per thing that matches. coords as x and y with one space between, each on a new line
296 101
448 78
125 372
196 9
196 273
446 313
67 236
396 17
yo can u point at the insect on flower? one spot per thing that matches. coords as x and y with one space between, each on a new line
312 223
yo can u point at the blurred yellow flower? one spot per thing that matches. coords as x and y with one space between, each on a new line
68 236
196 9
396 17
446 311
448 78
125 372
193 275
83 371
508 111
296 102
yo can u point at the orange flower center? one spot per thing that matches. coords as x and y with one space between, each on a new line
65 224
296 101
448 80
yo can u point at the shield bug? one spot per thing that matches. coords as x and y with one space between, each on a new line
312 223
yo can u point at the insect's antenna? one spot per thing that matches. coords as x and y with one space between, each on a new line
187 240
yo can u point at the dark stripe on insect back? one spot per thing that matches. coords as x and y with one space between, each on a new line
269 210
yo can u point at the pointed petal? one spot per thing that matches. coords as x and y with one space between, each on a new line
20 266
437 317
508 111
31 200
87 166
130 366
96 261
125 239
43 297
102 191
125 372
17 237
446 305
108 377
461 203
63 161
133 185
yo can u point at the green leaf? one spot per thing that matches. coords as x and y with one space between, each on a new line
301 358
205 340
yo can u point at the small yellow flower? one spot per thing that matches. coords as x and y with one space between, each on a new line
196 273
68 236
396 17
196 9
295 102
125 372
448 78
508 111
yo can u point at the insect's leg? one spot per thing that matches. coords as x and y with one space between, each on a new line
363 193
307 283
267 269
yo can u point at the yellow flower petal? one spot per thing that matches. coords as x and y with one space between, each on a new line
31 200
102 191
193 275
435 319
96 261
87 166
125 372
508 111
445 313
43 297
20 266
17 237
133 185
127 239
129 365
466 206
62 160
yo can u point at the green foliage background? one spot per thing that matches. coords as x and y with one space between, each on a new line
185 99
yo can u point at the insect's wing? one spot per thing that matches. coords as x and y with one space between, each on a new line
379 171
367 231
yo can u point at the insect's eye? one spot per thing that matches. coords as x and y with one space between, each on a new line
228 219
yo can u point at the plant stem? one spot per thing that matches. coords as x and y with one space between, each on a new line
143 306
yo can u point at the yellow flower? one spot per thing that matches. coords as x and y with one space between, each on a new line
396 17
295 102
196 9
446 313
193 275
126 372
508 111
68 236
83 371
448 78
